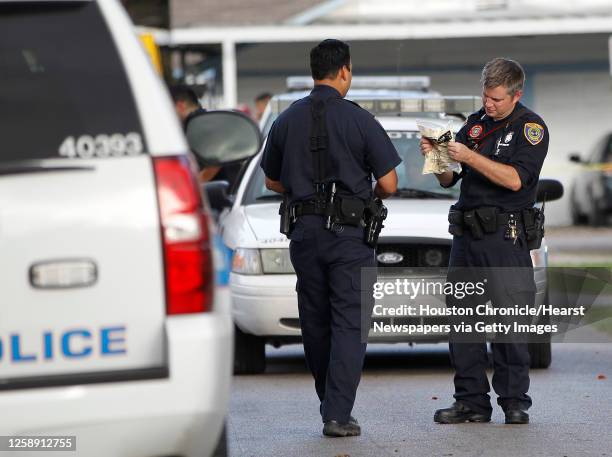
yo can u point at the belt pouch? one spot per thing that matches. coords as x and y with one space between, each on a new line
471 222
488 218
351 211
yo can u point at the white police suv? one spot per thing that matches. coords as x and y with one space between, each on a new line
415 234
112 329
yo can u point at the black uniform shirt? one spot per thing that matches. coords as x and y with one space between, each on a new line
522 144
358 147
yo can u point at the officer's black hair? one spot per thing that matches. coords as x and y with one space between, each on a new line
503 72
183 93
328 57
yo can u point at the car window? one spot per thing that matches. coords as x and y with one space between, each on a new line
265 129
51 103
409 172
597 151
256 191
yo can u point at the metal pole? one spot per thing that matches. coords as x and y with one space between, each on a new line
230 74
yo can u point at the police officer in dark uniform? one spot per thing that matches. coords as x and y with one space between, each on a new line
187 107
501 149
321 153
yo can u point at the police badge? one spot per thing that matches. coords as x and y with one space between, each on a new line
533 132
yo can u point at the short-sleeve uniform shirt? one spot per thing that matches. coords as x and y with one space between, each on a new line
358 147
522 144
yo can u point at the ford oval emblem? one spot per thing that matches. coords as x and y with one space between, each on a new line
389 257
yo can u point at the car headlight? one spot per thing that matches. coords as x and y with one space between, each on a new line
276 261
247 262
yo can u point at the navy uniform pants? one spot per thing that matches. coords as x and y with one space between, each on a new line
512 284
328 266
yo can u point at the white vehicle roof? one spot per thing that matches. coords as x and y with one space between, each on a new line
388 103
409 123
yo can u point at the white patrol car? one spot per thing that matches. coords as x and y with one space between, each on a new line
112 330
415 234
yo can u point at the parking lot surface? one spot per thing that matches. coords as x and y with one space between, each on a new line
276 414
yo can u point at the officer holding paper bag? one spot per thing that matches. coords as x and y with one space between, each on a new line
501 149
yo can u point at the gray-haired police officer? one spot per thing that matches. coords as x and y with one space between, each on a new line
321 153
501 149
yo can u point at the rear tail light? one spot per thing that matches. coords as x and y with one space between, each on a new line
186 238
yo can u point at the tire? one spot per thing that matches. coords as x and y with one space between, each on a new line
221 450
577 217
250 353
596 217
540 354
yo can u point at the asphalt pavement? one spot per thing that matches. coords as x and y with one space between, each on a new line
579 245
276 413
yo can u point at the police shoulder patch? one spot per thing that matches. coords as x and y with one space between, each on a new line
533 132
475 131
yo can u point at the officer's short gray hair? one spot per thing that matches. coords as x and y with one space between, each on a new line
503 72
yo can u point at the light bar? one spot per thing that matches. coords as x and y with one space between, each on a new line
420 83
434 105
404 106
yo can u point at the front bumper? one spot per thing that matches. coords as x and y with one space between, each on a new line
266 305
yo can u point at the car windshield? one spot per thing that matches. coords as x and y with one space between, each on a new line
411 182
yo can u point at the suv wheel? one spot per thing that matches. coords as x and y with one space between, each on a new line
250 353
221 449
597 218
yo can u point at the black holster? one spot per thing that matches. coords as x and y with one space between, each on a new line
287 218
374 215
455 220
533 219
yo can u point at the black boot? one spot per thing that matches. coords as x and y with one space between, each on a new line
459 413
515 415
335 429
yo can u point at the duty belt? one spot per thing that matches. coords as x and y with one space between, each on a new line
458 216
308 208
529 221
484 220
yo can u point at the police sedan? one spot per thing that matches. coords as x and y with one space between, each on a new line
263 281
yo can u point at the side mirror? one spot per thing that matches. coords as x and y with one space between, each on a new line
574 157
549 190
223 137
216 191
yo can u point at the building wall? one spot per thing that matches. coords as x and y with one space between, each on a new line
568 83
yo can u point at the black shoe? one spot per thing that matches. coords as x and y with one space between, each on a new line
335 429
515 415
459 413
